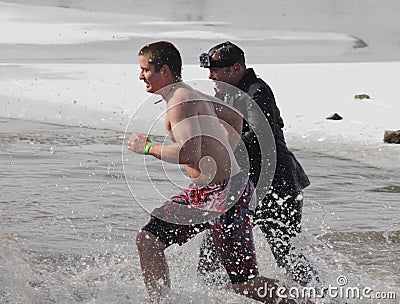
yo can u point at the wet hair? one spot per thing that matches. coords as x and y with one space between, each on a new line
227 51
163 52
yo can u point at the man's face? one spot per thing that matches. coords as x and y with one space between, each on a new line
221 76
153 80
225 75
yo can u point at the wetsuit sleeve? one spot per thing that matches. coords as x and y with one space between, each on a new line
264 97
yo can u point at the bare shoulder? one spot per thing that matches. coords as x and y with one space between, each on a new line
180 106
185 93
189 96
182 94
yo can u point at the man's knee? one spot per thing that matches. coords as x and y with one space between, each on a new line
148 242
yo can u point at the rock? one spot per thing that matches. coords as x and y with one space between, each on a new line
359 43
335 116
392 137
362 96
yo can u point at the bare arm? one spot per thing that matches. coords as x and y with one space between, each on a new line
186 132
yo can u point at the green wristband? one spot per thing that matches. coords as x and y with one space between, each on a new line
147 148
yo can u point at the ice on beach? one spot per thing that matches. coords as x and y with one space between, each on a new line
102 96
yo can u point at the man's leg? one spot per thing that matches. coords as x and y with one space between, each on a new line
152 241
209 265
153 263
234 243
233 239
296 264
279 219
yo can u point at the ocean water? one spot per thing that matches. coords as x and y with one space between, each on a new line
67 217
68 220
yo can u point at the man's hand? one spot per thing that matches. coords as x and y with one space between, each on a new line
137 142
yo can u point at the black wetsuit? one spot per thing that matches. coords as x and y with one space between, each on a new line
278 213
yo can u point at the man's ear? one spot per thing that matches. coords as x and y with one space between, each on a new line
164 69
237 68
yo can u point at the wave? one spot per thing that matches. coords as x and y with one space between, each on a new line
383 237
109 276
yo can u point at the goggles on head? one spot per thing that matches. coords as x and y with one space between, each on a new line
207 62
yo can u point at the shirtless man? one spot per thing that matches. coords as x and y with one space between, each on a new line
203 141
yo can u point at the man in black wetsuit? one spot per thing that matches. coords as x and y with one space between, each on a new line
278 213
